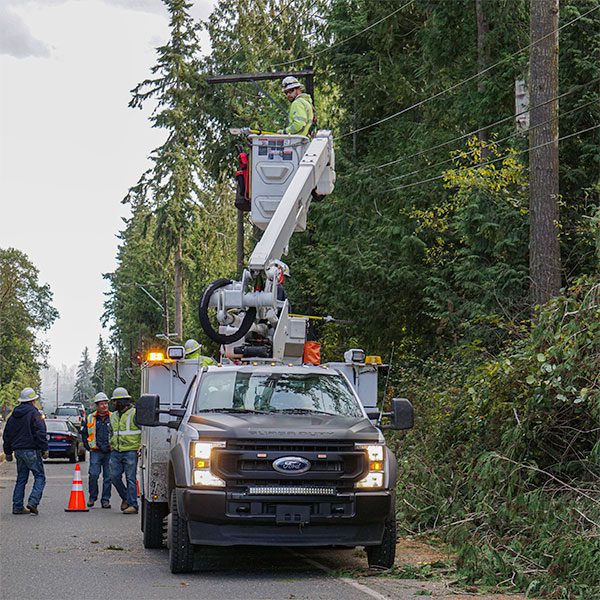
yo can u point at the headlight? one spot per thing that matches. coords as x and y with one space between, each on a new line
374 478
200 454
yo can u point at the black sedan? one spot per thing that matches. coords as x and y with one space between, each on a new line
64 440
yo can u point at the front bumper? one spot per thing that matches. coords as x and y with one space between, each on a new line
221 518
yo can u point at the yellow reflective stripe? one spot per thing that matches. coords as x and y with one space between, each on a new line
128 430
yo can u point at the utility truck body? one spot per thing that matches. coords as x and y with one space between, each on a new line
263 454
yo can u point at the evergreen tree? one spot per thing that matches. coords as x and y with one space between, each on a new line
172 185
25 309
103 375
84 388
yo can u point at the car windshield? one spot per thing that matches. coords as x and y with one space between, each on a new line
67 411
276 392
56 426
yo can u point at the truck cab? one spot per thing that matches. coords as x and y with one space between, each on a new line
262 453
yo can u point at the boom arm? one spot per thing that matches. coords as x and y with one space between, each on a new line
251 306
295 202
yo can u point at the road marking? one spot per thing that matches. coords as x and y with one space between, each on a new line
359 586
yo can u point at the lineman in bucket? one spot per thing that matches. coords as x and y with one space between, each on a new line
125 443
301 118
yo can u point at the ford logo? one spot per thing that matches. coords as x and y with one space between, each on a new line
292 465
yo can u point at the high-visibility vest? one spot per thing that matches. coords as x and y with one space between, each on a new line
91 428
126 435
300 118
205 361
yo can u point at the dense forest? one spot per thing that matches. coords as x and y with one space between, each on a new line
423 250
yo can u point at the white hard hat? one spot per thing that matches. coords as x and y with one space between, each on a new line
120 393
28 395
191 346
100 397
289 83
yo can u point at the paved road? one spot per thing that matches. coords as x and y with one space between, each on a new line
99 555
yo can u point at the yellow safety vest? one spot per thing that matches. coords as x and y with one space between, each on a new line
127 435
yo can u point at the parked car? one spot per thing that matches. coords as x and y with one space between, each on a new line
64 440
72 413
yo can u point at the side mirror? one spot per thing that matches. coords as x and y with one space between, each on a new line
147 410
402 415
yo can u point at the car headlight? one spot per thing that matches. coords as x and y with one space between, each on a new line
200 454
374 478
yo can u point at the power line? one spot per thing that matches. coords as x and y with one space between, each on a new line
495 160
443 162
460 83
475 131
253 38
311 56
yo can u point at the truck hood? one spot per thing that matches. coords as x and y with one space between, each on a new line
288 427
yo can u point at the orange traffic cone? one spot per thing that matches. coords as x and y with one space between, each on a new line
77 499
137 488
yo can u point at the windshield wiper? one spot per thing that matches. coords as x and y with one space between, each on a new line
303 411
232 410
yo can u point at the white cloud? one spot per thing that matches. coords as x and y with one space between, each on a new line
16 39
152 6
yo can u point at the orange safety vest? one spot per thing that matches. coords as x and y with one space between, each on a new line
91 428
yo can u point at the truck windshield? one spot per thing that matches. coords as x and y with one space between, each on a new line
231 391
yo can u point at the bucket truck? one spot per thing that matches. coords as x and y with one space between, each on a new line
262 449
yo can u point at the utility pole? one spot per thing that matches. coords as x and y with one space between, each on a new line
57 389
544 246
483 29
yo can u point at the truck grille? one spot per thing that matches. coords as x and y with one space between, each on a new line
249 464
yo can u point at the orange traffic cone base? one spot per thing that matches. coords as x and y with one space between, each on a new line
77 499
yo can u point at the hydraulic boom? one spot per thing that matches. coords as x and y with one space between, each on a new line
253 314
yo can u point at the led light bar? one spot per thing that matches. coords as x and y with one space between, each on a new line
281 490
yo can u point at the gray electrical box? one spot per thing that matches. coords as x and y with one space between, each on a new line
275 160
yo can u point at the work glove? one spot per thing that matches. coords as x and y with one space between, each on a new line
280 131
45 454
9 457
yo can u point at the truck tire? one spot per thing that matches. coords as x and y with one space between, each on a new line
181 550
215 336
153 514
383 555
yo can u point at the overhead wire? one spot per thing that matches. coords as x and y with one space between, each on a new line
461 83
483 128
335 45
253 38
495 160
514 134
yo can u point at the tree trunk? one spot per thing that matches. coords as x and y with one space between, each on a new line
544 247
483 29
178 287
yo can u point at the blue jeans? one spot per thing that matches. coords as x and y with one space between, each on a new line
99 462
28 460
124 462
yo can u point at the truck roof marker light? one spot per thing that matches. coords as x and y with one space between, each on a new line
155 357
373 360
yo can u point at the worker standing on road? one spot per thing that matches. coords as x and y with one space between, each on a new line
25 436
301 118
96 433
192 352
125 443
